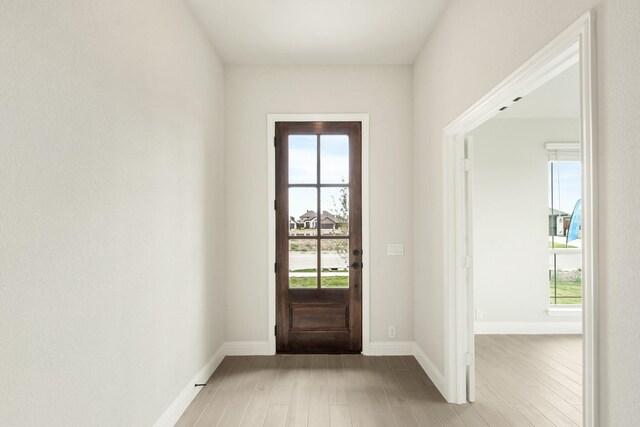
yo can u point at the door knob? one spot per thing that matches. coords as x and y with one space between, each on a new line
355 265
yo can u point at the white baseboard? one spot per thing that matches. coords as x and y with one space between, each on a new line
389 348
247 348
171 415
528 328
431 370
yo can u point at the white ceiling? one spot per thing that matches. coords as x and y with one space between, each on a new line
317 32
557 98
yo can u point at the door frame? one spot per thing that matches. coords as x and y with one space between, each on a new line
363 118
574 45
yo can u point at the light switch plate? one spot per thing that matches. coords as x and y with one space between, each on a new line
395 249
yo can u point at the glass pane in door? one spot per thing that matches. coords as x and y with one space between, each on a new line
334 159
303 261
303 159
334 261
303 204
334 204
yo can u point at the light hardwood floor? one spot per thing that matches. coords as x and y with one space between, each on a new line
522 380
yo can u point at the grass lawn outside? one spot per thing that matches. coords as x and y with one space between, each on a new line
568 286
327 282
560 245
311 246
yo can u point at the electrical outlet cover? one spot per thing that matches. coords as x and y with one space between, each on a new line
391 332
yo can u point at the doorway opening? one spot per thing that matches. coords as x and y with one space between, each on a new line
464 269
524 198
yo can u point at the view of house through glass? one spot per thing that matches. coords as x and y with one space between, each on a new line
318 211
565 233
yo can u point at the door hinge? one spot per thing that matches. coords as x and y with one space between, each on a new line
468 262
275 330
466 165
274 141
275 267
469 359
274 204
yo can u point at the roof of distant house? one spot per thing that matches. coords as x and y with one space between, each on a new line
557 212
311 215
328 215
308 215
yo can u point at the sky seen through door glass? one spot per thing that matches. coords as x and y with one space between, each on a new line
334 169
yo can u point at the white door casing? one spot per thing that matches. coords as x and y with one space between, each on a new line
574 45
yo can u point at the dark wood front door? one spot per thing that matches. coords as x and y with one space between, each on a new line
318 237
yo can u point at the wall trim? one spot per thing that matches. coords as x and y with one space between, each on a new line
171 415
564 312
431 370
247 348
390 348
576 44
528 328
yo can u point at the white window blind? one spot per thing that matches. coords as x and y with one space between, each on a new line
563 151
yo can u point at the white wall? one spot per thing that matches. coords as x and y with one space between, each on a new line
472 49
111 293
510 220
254 91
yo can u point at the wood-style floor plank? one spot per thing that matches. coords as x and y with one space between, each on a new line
534 374
560 404
217 405
510 393
276 416
396 362
259 404
192 414
404 416
555 365
298 414
414 392
525 368
493 400
281 394
444 411
336 381
319 411
389 381
469 416
419 374
319 369
340 416
425 415
379 405
361 414
489 414
536 417
238 404
521 381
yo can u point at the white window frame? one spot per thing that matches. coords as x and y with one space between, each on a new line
564 152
